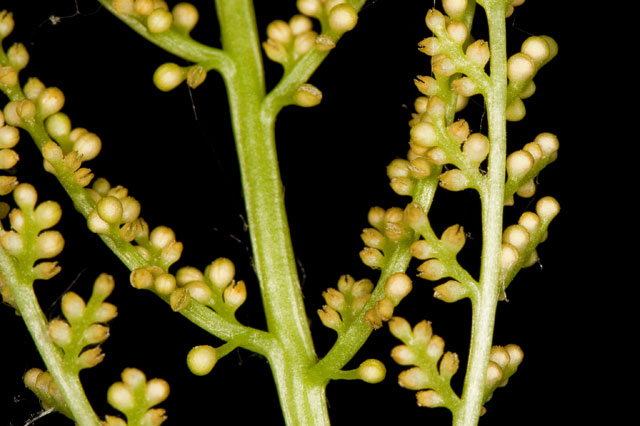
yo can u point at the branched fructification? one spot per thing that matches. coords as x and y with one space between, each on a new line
444 152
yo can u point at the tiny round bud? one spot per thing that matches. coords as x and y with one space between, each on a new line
12 242
476 148
519 163
165 283
343 17
548 142
304 42
517 236
454 180
424 134
18 56
279 31
159 21
6 23
25 196
413 378
235 294
372 257
161 237
220 272
307 95
454 8
120 397
494 374
400 328
516 110
520 67
185 16
49 101
96 333
58 125
103 285
372 371
47 214
451 291
141 278
88 145
457 31
9 136
429 398
508 256
201 359
397 287
443 66
73 306
403 355
157 391
49 244
199 291
168 76
435 20
310 7
329 317
110 209
527 190
96 224
515 354
530 221
547 208
300 24
8 158
60 332
536 48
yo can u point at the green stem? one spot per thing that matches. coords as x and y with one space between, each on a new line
302 401
67 381
492 195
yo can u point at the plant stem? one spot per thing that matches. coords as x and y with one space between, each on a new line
302 400
492 195
68 383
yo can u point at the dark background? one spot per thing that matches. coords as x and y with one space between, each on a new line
174 151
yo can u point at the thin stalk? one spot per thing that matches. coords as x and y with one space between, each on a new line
68 382
492 196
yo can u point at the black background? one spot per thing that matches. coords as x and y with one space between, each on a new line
174 151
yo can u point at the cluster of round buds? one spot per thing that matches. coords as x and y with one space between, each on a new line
216 287
85 324
135 395
421 346
344 304
287 42
503 363
530 229
389 226
87 144
337 16
41 383
9 137
169 75
116 210
396 288
522 67
157 17
524 164
30 238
